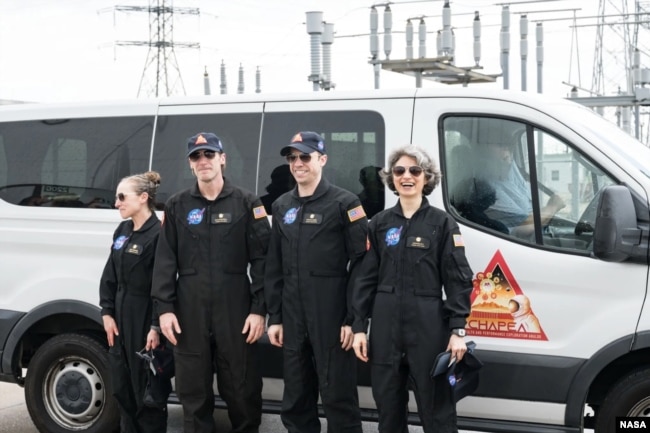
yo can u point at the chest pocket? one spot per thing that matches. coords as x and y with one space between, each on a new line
228 224
313 224
419 248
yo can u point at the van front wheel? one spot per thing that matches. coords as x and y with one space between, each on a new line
629 397
67 387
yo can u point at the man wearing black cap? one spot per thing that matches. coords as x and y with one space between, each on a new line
212 234
318 237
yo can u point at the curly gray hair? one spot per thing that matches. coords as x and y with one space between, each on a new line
431 171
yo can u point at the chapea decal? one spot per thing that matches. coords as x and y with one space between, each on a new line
499 306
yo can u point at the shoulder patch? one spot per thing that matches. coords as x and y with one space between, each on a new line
259 212
458 241
356 213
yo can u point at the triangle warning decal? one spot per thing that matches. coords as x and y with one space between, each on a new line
499 307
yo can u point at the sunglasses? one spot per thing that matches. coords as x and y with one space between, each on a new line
122 196
304 157
209 154
415 170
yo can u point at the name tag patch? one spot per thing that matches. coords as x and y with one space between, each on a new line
221 218
134 249
312 218
418 242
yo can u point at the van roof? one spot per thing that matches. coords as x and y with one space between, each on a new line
130 107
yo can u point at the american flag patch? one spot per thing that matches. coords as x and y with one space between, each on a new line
356 213
259 212
458 241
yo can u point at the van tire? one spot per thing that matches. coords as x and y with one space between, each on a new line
68 389
630 396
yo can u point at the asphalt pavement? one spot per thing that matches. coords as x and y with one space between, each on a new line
14 417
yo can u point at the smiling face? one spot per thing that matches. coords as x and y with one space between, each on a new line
408 184
307 174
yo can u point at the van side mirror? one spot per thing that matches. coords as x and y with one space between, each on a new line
616 235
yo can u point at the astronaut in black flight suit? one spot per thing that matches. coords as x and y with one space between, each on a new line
213 234
318 237
416 251
125 298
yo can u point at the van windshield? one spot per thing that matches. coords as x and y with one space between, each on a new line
628 147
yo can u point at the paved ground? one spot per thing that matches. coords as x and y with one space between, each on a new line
14 417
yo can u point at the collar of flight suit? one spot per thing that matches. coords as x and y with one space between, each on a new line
151 222
397 209
321 189
226 190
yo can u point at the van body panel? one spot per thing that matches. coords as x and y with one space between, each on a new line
126 108
73 248
512 410
30 321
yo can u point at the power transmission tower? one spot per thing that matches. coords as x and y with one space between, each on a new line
611 63
622 33
161 74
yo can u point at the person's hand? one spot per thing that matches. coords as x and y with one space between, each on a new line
457 347
360 345
254 326
276 335
556 203
347 337
153 339
111 329
169 325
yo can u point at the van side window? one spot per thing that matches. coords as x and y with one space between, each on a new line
71 162
355 142
520 181
239 133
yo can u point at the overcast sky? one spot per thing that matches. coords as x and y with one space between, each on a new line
66 50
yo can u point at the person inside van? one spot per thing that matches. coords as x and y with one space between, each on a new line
471 197
415 251
513 205
127 310
372 195
281 182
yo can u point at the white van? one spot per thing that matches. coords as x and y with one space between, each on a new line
573 352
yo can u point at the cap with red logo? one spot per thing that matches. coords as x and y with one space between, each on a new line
306 142
204 140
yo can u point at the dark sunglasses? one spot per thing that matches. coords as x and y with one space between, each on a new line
415 170
122 196
304 157
209 154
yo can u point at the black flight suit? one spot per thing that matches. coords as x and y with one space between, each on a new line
400 286
201 275
125 295
306 286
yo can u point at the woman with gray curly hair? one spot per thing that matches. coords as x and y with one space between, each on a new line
420 158
415 251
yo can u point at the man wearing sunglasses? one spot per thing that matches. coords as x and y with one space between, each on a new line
214 235
318 237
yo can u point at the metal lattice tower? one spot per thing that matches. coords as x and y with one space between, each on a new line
622 27
622 40
161 74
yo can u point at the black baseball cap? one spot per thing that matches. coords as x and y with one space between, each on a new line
204 140
306 142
